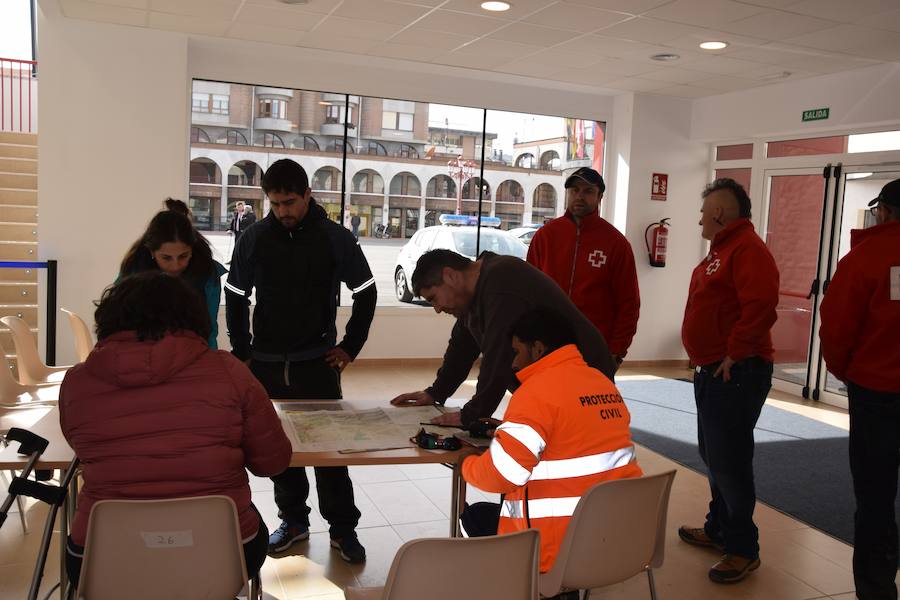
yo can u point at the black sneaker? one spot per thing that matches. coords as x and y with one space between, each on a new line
350 548
286 535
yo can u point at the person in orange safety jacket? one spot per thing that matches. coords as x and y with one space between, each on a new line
565 430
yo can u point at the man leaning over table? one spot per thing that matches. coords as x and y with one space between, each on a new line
487 296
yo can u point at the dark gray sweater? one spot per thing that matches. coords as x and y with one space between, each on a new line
507 288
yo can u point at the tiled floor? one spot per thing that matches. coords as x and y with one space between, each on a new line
399 503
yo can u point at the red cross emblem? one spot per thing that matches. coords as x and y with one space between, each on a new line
597 258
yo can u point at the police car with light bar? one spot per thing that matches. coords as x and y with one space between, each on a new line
456 233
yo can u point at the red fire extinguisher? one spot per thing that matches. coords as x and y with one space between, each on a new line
657 242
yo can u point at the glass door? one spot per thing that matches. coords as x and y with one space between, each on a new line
856 186
797 208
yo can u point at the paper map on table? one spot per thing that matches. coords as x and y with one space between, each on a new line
330 431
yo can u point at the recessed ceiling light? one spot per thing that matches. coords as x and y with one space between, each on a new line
858 175
665 57
714 45
495 6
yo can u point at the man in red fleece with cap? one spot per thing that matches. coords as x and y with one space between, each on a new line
726 332
591 261
860 322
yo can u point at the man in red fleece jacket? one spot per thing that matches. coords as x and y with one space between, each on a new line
591 261
860 321
726 332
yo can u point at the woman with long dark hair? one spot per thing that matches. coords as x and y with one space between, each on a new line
172 245
154 413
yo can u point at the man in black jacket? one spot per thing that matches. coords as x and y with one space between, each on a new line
296 259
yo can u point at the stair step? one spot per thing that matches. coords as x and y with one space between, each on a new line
18 165
12 275
24 293
18 214
18 232
17 197
15 137
18 181
24 251
18 151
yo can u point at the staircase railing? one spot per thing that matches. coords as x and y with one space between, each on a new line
18 94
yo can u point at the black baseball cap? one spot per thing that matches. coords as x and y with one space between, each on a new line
587 174
890 194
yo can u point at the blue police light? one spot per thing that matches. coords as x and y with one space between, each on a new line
470 220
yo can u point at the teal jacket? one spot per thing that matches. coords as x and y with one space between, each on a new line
212 293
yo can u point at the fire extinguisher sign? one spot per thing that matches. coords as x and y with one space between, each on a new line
659 186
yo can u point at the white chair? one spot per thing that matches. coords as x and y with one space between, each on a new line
84 342
13 394
178 549
32 370
618 530
480 568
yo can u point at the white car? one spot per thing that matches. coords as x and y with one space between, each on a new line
524 233
451 237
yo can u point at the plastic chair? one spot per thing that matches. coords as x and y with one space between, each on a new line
14 395
32 370
621 521
181 548
84 342
482 568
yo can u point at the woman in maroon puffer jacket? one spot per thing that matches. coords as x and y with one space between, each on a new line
153 413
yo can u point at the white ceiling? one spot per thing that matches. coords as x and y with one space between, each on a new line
603 43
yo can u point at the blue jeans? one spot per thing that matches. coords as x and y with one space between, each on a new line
726 416
874 460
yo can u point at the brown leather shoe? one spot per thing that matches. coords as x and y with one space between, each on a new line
696 536
732 568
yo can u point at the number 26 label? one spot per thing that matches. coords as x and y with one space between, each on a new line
168 539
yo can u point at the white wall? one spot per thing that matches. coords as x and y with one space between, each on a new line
857 99
113 143
660 143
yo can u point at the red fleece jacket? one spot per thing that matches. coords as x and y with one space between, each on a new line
732 299
861 311
594 264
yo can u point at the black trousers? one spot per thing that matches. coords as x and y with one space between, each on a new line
726 416
874 461
254 553
311 380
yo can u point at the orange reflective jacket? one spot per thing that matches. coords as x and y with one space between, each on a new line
565 430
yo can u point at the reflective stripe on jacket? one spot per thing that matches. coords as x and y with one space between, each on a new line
566 429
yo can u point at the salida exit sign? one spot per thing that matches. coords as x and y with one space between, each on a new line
816 114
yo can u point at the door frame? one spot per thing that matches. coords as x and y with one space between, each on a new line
827 172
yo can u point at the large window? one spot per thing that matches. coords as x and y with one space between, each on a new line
200 102
219 104
386 169
272 108
397 120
